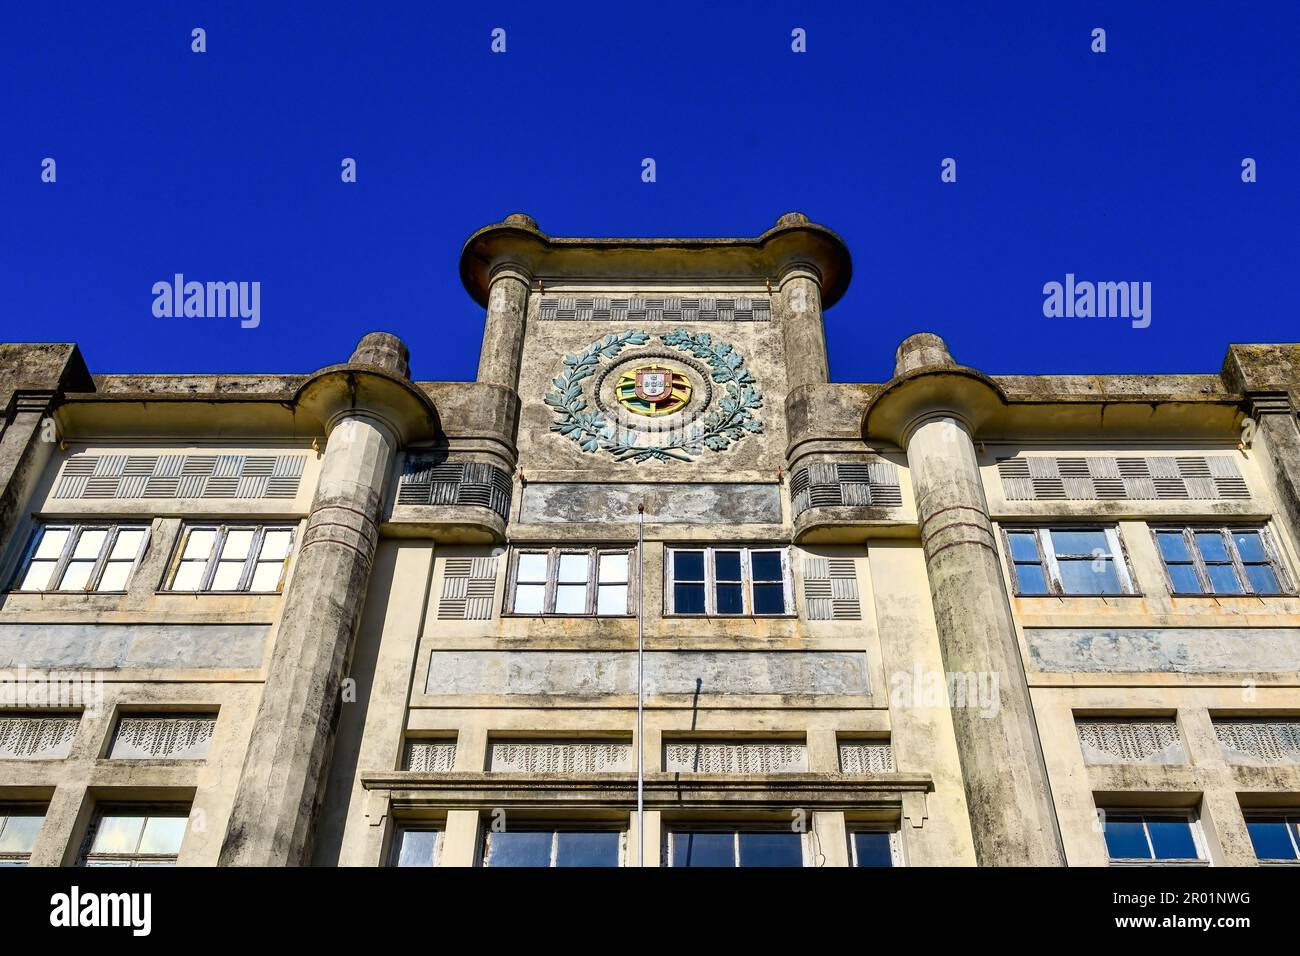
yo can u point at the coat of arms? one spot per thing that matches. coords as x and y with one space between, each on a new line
654 390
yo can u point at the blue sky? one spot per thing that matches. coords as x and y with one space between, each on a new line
225 166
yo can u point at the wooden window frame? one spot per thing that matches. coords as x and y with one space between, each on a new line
1149 813
805 843
1050 565
1289 816
135 858
401 828
553 555
1286 587
251 561
746 583
541 826
9 809
75 530
895 844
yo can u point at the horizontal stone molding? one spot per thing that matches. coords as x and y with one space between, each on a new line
113 646
1111 478
655 309
588 674
665 502
1184 650
180 476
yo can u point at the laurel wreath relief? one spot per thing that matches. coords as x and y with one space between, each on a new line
729 422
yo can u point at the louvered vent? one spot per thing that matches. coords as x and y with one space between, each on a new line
1198 478
180 476
429 481
653 309
830 589
468 585
829 485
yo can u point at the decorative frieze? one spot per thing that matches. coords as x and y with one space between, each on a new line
742 756
180 476
559 756
854 484
430 480
430 755
1131 740
1259 740
37 736
468 586
163 737
866 756
1155 478
655 309
830 589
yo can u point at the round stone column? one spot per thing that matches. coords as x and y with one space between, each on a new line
503 331
930 408
368 408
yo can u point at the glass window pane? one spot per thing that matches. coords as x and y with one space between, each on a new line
1125 839
238 541
275 544
766 565
118 834
227 576
1030 579
1090 577
573 567
613 568
1224 578
529 598
127 544
532 567
1023 546
37 577
1079 542
729 599
1173 547
1262 579
769 599
1271 839
20 832
872 849
89 543
688 565
76 575
726 565
586 849
519 848
418 848
266 575
189 576
52 542
163 835
199 543
1184 579
704 849
1172 839
612 599
777 848
114 577
688 598
1250 546
571 599
1212 546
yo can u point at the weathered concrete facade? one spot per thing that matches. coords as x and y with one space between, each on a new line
951 619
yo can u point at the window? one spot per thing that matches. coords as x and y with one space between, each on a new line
874 848
548 846
232 558
19 828
1082 561
1200 560
728 581
416 846
571 581
1136 838
713 848
137 836
76 557
1275 836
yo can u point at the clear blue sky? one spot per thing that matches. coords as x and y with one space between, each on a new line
225 166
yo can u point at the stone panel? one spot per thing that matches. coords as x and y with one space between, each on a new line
1185 650
131 645
721 503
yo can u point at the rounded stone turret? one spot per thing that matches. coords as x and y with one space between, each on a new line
791 219
922 350
521 219
383 350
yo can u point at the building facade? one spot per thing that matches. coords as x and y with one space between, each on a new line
348 618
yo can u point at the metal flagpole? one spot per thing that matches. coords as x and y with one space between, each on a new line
640 685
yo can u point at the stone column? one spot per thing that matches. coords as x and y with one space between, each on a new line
282 783
1013 820
801 325
503 332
